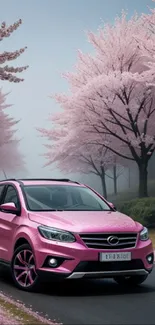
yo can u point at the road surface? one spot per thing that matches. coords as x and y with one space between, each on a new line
90 302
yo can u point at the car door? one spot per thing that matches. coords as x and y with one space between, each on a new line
8 222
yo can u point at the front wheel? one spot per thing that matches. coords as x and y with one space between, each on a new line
23 269
130 280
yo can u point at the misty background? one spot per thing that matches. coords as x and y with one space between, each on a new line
53 31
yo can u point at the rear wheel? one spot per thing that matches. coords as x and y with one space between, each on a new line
131 280
23 269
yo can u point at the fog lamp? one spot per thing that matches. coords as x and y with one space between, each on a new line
53 262
150 258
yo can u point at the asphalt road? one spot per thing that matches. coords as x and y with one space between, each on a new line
90 302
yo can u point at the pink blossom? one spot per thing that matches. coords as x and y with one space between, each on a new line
6 72
7 318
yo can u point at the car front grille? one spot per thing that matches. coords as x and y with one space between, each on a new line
101 241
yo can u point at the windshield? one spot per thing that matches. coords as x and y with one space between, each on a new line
62 198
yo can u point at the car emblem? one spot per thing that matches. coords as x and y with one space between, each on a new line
112 240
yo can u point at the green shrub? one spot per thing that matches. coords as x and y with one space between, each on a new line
141 210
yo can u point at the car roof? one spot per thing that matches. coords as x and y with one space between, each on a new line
41 181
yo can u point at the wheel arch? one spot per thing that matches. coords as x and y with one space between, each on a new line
19 242
22 237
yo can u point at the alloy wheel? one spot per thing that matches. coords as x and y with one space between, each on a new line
24 268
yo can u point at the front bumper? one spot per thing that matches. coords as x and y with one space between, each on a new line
77 274
109 269
78 261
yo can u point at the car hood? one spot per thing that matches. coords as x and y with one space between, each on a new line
86 221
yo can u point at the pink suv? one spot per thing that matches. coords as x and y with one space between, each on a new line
59 229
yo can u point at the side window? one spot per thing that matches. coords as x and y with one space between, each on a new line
11 196
1 191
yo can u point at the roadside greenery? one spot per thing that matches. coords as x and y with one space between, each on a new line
141 210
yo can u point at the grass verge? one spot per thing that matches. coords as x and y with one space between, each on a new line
20 313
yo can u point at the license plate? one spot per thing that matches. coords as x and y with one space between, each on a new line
110 257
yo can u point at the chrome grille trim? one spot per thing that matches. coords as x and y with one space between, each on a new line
99 240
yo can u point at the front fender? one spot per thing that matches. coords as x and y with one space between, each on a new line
30 235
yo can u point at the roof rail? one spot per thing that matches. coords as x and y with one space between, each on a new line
39 179
8 179
47 179
11 180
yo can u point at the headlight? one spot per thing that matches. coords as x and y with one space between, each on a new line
144 235
56 234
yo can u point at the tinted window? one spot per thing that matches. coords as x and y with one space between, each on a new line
1 191
11 196
63 197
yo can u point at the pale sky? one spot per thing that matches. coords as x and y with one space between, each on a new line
52 30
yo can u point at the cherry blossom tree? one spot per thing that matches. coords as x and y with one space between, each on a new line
8 72
10 157
115 172
112 93
76 155
123 109
71 152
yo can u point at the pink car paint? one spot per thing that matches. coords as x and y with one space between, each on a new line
24 248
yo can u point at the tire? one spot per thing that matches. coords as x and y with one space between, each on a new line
23 273
133 280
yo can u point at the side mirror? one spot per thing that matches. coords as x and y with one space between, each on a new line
9 208
112 206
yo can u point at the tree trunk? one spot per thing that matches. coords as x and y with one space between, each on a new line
103 181
115 179
143 175
151 169
129 178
